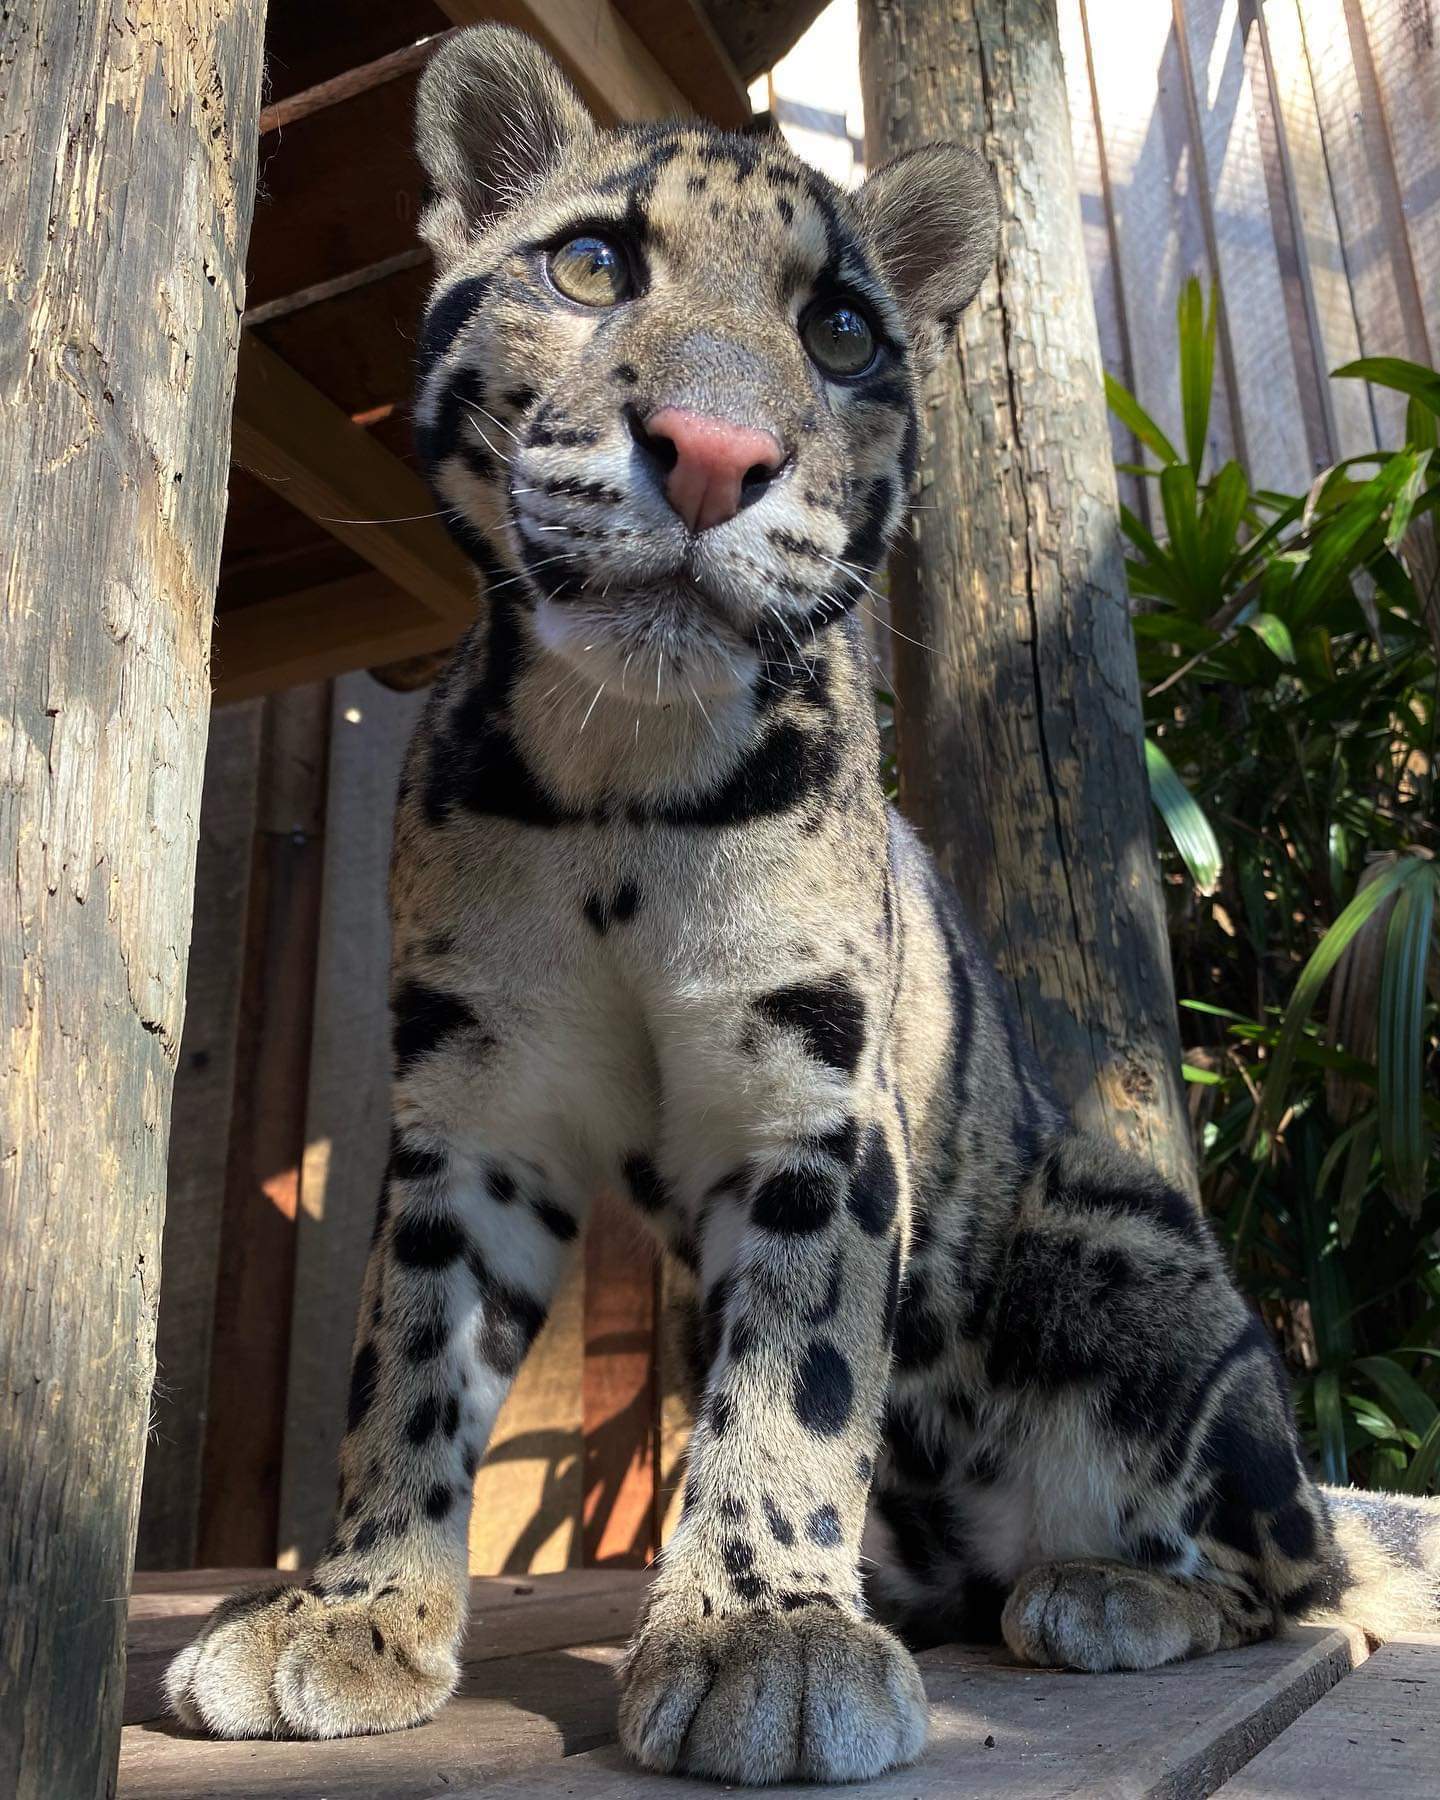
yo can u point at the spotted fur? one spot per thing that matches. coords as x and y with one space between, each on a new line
655 928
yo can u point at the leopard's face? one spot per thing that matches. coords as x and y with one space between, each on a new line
633 272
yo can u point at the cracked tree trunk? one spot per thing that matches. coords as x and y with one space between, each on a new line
1019 727
129 138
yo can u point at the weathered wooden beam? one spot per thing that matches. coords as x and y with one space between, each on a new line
355 623
304 446
679 35
244 1433
130 140
614 71
1018 722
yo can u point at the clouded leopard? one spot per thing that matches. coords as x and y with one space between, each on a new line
655 928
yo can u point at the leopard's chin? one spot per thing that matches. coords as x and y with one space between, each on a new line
653 646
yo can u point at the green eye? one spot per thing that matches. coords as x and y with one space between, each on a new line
839 339
591 270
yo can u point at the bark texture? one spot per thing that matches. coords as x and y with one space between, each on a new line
1018 725
128 138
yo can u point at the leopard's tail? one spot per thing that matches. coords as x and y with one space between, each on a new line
1383 1560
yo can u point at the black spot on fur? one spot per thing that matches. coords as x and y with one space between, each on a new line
794 1203
824 1389
349 1589
737 1556
450 1423
830 1304
502 1184
722 1414
829 1015
823 1526
625 373
424 1420
841 1143
559 1223
874 1193
519 398
408 1163
377 1640
787 767
447 317
732 1509
439 1500
429 1330
364 1373
423 1019
601 912
781 1529
643 1179
510 1319
427 1241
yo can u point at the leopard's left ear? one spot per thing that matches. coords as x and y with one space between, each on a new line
933 219
493 116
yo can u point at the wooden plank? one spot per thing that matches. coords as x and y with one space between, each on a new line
998 1732
345 1095
305 447
1367 199
354 623
1377 1734
614 72
199 1130
241 1468
679 35
129 147
1330 304
1156 195
1405 64
1221 61
620 1400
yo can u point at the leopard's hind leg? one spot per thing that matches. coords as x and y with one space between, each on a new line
1123 1460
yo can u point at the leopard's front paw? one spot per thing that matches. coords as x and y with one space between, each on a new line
811 1695
283 1662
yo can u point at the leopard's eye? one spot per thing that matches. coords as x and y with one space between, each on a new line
839 339
591 270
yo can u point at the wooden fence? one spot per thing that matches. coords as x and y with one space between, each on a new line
1288 149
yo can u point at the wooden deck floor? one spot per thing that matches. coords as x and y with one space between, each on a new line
535 1715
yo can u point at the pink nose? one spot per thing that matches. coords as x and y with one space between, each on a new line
713 465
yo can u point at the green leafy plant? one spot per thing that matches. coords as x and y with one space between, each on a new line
1287 647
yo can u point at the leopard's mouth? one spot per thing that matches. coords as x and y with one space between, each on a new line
655 642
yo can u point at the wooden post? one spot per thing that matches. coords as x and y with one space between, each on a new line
1019 726
130 138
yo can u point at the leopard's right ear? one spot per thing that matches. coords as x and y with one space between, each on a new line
492 116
